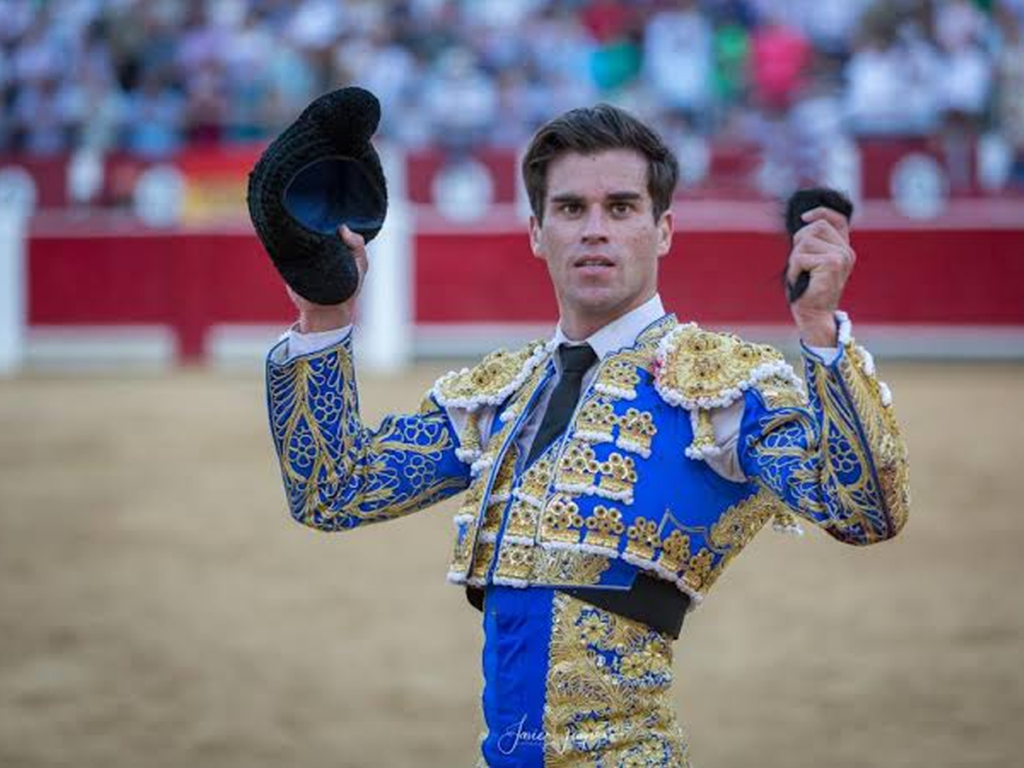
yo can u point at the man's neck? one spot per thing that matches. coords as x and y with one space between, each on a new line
619 332
581 328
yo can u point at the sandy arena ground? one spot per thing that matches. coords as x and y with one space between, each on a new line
158 607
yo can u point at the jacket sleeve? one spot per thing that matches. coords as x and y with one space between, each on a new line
836 456
337 473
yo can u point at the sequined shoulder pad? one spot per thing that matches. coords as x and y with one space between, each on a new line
492 380
700 370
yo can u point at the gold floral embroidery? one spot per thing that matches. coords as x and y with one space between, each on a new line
522 520
608 699
706 369
617 377
567 567
643 538
698 570
781 392
470 505
604 528
502 486
885 441
338 474
636 431
618 476
561 521
741 522
595 421
501 491
483 555
491 381
533 488
515 562
675 552
463 548
492 520
578 467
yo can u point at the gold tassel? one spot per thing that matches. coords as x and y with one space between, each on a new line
704 437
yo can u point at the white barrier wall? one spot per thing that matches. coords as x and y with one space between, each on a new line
13 317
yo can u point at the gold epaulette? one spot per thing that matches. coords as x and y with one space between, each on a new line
700 370
492 380
704 369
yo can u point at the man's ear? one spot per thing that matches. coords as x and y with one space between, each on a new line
535 226
666 228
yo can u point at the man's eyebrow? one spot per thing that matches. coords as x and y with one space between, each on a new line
623 196
572 197
567 197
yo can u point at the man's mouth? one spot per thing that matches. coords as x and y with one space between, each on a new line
593 261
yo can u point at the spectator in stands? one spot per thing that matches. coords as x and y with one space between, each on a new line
892 80
464 72
678 59
43 116
459 80
1010 89
154 118
103 113
966 84
779 56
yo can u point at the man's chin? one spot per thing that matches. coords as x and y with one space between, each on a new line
596 304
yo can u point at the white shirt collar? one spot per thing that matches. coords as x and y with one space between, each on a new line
619 333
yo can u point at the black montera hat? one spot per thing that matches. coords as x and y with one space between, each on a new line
320 173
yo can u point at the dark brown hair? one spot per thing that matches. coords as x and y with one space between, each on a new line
589 130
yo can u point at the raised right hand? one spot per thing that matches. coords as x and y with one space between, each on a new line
328 317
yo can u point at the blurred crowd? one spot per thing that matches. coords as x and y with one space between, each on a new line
152 77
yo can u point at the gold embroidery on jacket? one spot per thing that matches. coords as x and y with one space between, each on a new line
675 552
483 555
492 380
578 468
617 377
533 488
501 492
604 528
636 431
470 505
561 521
643 538
618 476
708 369
566 567
698 569
885 441
515 563
522 520
579 472
463 549
595 421
319 437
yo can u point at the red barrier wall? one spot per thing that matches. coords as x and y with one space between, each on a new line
194 280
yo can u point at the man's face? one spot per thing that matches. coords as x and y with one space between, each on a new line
599 237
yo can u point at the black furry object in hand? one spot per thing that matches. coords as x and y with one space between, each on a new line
799 203
320 173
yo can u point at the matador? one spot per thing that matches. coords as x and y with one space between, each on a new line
610 473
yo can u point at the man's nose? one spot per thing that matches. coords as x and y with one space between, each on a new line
595 227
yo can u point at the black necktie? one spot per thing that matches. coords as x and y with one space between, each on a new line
576 361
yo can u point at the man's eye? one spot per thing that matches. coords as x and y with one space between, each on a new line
621 209
571 208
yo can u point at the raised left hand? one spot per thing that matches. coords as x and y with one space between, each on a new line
822 248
